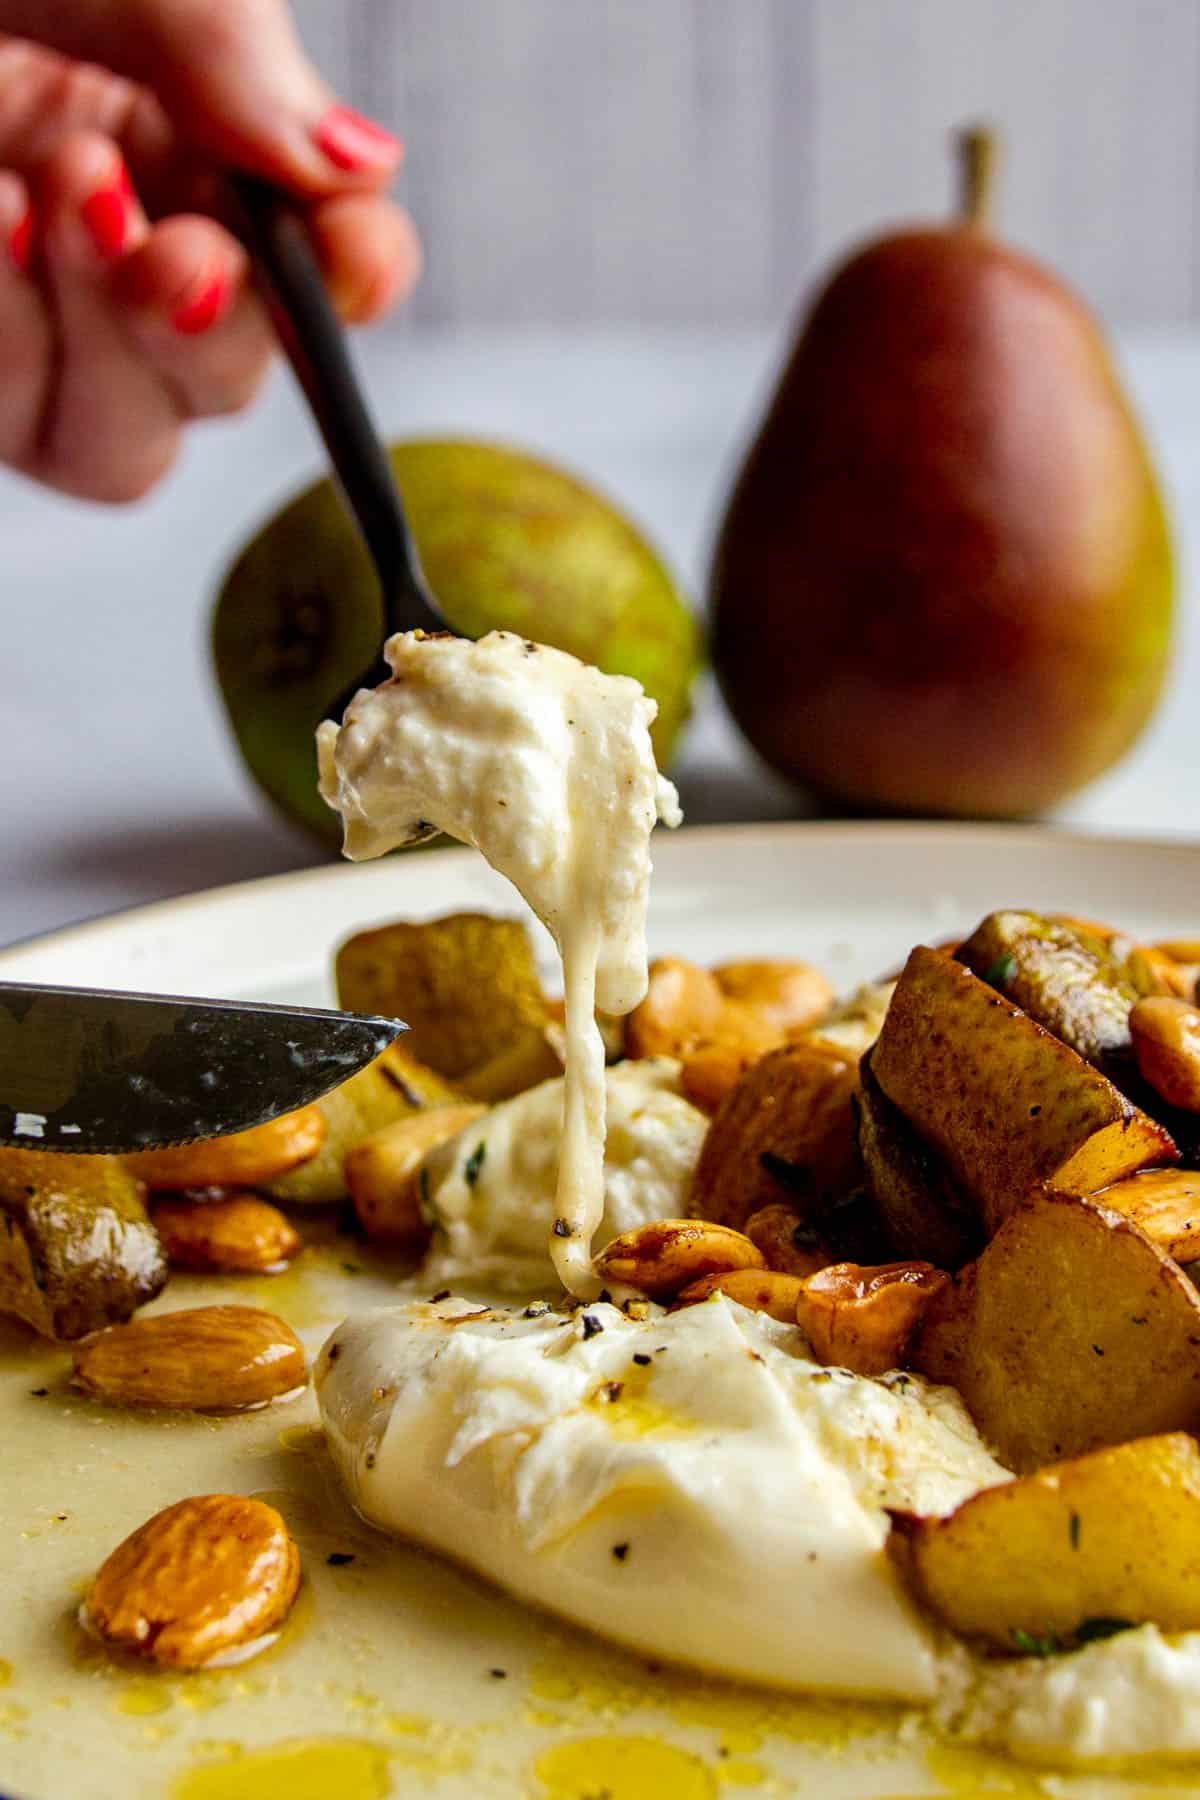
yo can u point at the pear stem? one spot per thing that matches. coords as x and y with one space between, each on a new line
978 154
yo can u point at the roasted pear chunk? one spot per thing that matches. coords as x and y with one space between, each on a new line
468 988
1065 977
1072 1331
786 1131
394 1086
925 1215
1069 1554
77 1249
1003 1103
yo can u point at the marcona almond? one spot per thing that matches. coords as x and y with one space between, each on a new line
761 1290
787 1242
383 1171
864 1318
662 1258
1166 1042
243 1159
197 1583
204 1359
235 1234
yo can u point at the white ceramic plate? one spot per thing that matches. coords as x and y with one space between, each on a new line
398 1675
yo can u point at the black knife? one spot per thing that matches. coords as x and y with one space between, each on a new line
86 1070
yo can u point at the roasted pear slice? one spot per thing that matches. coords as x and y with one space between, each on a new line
1069 1554
1005 1104
925 1215
77 1250
1072 1331
468 988
393 1087
1062 975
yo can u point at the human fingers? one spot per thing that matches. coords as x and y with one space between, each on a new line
186 301
109 428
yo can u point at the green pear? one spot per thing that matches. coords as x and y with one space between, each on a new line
506 540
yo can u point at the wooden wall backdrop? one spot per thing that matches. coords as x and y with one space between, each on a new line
582 161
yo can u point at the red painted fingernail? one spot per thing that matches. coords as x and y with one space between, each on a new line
108 214
352 142
20 244
199 314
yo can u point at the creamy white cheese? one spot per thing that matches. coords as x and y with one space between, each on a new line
720 1505
493 1212
546 766
1130 1696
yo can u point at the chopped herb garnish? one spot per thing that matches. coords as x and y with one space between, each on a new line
352 1268
1002 970
1097 1349
620 1551
796 1177
427 1204
498 1674
639 1357
474 1163
1028 1645
337 1559
1093 1630
1074 1529
39 1393
591 1326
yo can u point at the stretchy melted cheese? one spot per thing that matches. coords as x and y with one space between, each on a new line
545 765
493 1212
693 1485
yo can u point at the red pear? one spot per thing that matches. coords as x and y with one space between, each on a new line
944 581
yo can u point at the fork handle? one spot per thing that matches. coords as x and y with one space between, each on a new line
315 344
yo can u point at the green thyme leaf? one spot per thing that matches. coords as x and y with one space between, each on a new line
474 1163
1092 1630
1029 1645
1002 970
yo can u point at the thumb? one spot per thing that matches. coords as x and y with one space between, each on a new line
233 78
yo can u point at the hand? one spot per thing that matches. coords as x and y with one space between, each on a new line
126 308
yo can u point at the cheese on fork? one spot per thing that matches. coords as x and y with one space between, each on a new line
690 1485
545 765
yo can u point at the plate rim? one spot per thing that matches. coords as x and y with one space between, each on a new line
824 835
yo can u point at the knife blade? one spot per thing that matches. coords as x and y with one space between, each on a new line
91 1070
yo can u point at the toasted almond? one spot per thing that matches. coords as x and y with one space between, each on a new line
864 1318
761 1290
238 1234
1153 972
713 1070
383 1171
1180 950
197 1583
662 1258
787 1242
204 1359
1166 1042
1165 1203
788 995
243 1159
682 1007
